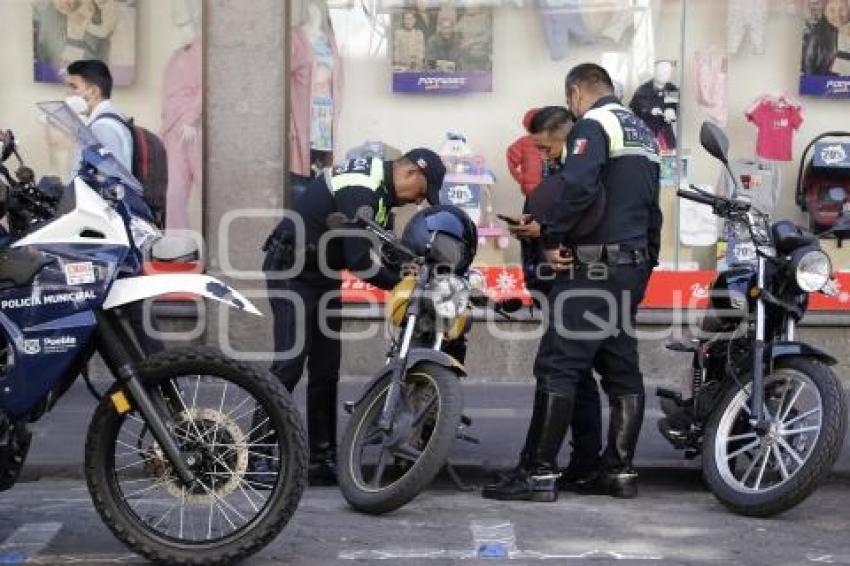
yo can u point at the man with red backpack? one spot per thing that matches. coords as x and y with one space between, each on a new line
90 90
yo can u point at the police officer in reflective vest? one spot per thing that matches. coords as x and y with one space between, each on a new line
310 334
600 223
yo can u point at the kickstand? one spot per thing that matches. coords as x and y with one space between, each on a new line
455 477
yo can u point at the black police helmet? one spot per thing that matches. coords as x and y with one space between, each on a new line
445 234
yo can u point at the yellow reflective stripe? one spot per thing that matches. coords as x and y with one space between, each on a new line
611 124
381 217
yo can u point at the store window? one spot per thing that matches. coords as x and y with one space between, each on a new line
154 51
461 76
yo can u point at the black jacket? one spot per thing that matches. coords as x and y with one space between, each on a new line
612 153
345 189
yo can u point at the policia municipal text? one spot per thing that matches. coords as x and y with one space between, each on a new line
373 183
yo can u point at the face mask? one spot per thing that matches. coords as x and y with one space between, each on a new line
78 104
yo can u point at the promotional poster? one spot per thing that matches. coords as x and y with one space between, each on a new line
442 51
826 50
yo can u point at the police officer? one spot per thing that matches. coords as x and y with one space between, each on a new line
549 129
600 223
370 182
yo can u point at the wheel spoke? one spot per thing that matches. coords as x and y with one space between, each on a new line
741 436
800 417
793 401
407 452
794 454
751 467
762 469
424 411
782 469
375 437
796 431
743 449
380 467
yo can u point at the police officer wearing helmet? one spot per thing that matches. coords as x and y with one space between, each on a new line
600 223
379 185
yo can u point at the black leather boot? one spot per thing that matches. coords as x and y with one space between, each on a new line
582 475
618 475
534 426
321 433
537 482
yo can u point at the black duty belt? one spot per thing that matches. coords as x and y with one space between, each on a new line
610 254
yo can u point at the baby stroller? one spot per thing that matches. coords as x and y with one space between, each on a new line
823 180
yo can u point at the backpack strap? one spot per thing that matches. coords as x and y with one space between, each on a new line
127 123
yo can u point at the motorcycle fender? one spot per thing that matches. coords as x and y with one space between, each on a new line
779 350
132 289
413 357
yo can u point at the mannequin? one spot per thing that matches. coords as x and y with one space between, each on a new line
657 103
315 83
182 106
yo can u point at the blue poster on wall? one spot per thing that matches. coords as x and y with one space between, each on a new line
825 62
446 50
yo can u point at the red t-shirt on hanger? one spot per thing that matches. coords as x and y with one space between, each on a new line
776 121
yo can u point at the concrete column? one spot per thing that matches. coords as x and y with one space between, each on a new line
245 66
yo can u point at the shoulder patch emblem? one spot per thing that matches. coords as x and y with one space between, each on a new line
579 146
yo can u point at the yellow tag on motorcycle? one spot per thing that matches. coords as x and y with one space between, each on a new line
122 405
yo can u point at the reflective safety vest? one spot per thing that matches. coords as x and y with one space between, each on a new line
627 135
364 172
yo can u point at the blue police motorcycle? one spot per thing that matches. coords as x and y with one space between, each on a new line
171 449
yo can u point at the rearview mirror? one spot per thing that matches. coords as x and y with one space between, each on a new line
8 145
715 142
510 305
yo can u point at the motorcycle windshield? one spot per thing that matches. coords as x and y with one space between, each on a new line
60 116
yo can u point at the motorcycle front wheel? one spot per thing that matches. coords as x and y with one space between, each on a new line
241 436
380 471
761 474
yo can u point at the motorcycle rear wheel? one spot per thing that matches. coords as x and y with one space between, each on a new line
200 388
764 475
412 454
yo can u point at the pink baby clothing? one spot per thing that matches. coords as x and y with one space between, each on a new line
302 66
182 101
776 120
711 76
745 16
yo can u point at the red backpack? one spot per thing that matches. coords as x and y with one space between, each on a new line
150 165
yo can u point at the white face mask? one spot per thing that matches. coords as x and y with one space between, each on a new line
78 104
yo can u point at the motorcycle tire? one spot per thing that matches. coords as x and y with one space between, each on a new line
806 478
376 501
290 481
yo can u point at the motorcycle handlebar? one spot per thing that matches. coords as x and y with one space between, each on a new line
699 197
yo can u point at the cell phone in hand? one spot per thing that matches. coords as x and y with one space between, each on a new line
507 219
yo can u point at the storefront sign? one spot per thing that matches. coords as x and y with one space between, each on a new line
442 83
667 289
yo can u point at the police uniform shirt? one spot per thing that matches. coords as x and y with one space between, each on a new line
612 150
345 189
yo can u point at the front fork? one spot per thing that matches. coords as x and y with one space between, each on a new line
399 365
757 416
116 347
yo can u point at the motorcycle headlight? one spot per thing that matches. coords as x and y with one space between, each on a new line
144 234
812 269
450 296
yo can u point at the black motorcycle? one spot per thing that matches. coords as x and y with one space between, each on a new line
406 420
765 410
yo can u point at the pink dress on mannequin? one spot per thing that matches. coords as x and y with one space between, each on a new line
182 104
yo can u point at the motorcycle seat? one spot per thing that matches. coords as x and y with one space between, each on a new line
175 249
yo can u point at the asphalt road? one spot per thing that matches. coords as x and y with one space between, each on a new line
674 521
